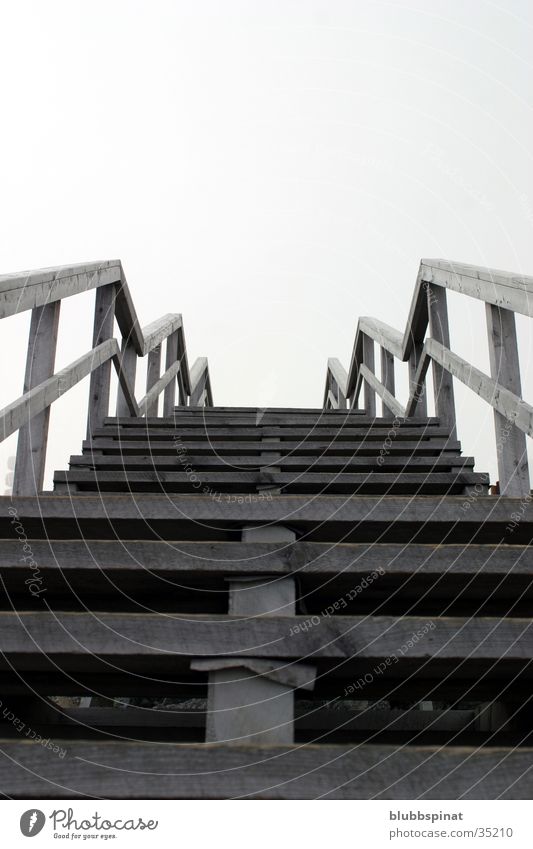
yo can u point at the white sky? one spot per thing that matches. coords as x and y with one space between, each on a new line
271 170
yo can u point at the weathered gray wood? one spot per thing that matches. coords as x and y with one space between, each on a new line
37 638
161 329
199 377
369 391
349 561
511 447
389 401
387 379
442 379
133 770
33 436
417 384
501 399
150 402
336 380
33 402
269 460
100 385
502 288
408 447
482 514
171 358
26 290
128 356
425 483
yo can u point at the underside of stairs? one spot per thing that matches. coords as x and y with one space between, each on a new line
267 603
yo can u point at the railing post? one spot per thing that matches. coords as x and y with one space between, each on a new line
153 373
33 437
169 397
387 379
104 317
421 409
369 361
129 367
442 379
505 370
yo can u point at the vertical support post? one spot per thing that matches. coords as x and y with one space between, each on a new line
198 392
182 395
421 409
387 379
153 373
170 390
129 367
104 316
369 361
33 437
252 700
442 379
505 370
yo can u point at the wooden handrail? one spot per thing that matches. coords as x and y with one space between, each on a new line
504 294
336 380
42 292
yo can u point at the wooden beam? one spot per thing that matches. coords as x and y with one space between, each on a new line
30 289
38 638
369 391
133 770
15 415
442 379
169 397
511 449
150 403
100 386
128 357
388 399
387 379
33 436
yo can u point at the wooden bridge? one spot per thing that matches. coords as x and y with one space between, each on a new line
226 602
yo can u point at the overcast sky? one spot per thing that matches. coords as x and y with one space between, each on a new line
272 170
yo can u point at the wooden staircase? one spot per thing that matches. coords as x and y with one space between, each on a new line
395 630
261 603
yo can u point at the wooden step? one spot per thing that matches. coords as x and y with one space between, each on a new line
460 647
406 482
400 446
391 519
244 433
300 463
133 770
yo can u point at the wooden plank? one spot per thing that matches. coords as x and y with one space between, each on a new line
33 436
301 463
363 518
417 384
320 560
149 404
199 372
442 379
509 290
405 482
100 385
369 392
150 401
408 447
511 449
16 414
387 379
171 357
133 770
128 356
34 639
160 329
26 290
502 400
389 400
